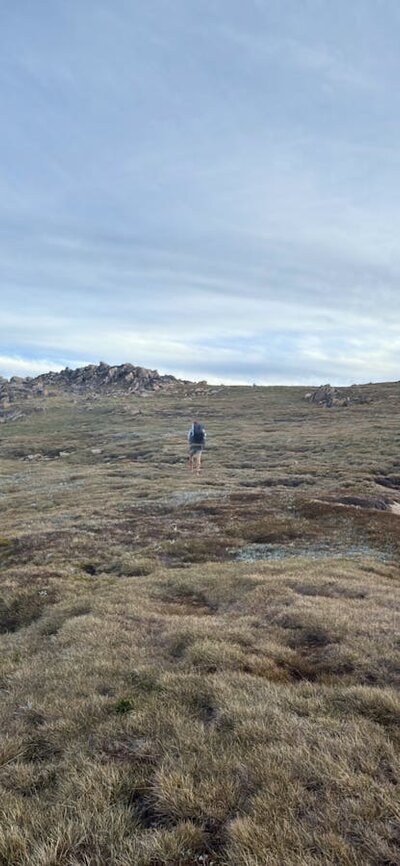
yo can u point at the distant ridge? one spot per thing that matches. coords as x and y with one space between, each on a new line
95 378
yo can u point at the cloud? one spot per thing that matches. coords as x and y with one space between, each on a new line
316 58
274 358
14 365
209 188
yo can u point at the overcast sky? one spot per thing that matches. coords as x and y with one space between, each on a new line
209 187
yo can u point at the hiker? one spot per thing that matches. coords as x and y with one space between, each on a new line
197 441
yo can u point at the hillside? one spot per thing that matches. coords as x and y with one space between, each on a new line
200 670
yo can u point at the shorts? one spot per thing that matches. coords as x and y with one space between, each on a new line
195 449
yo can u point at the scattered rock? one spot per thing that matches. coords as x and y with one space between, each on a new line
15 415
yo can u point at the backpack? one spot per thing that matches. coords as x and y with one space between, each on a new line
197 436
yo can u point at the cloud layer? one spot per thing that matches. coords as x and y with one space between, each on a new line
209 189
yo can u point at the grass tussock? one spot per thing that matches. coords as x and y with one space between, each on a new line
238 732
165 705
273 528
22 608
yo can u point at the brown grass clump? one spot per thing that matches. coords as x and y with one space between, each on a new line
21 608
164 704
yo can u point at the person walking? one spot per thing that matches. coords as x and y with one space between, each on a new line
197 441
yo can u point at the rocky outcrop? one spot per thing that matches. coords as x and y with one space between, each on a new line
328 396
102 377
16 389
93 379
325 395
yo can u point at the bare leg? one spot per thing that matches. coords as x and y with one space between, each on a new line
195 462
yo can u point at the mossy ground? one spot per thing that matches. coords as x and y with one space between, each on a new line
164 703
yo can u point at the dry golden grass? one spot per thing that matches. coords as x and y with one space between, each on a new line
163 702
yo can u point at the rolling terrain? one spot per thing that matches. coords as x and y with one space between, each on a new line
200 670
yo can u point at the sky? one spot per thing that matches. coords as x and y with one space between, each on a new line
205 187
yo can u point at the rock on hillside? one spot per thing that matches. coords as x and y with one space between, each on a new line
16 389
100 377
95 378
325 395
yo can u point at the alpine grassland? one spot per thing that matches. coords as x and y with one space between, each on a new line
200 670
